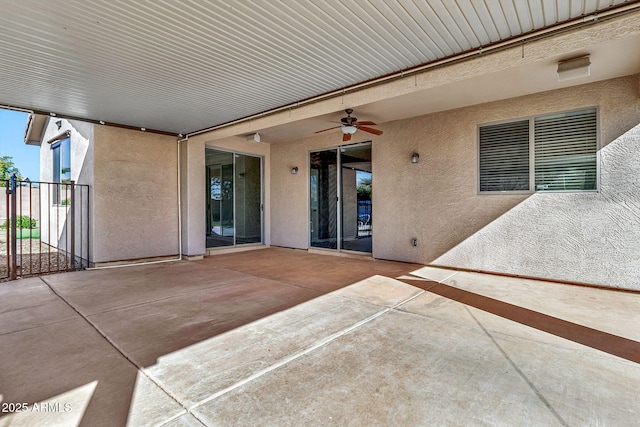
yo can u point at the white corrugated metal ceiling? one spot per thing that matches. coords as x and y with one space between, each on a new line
180 66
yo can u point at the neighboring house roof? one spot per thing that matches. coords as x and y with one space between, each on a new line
183 66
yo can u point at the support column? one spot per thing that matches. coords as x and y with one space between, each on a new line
192 188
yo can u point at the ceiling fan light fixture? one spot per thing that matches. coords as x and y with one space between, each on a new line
254 137
348 129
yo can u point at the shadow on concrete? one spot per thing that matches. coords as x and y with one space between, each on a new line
615 345
146 312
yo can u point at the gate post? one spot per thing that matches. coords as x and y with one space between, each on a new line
8 210
12 219
73 225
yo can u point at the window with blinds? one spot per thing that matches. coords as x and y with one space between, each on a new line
504 157
565 151
559 155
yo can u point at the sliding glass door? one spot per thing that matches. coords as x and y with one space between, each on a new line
234 198
340 198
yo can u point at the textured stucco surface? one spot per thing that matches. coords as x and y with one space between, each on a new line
192 177
135 202
581 237
588 237
591 238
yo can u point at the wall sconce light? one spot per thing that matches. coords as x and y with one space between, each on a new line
59 124
254 137
294 170
415 158
574 68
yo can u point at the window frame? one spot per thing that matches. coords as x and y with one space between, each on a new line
57 147
532 146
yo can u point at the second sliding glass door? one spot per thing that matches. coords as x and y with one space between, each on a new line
340 198
234 198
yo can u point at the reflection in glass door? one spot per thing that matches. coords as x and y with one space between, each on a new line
356 189
234 198
324 199
248 197
345 222
220 206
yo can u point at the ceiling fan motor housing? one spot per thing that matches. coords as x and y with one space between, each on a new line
348 121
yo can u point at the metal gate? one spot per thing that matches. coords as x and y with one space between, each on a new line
44 228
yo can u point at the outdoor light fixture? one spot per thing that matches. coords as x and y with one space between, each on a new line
294 170
254 137
143 129
574 68
59 124
415 158
348 130
101 122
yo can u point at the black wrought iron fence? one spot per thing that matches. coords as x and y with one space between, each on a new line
364 218
44 228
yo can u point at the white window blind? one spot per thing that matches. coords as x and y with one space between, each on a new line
565 151
555 152
504 156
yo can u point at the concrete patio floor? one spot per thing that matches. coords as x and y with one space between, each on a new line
283 337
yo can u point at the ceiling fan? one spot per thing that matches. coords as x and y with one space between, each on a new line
349 125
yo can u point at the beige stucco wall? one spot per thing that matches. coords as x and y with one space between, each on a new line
135 195
579 237
436 200
193 186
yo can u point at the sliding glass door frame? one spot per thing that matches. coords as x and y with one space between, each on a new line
235 236
338 213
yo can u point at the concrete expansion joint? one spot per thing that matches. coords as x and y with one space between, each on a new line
407 300
291 358
448 277
33 327
86 319
140 369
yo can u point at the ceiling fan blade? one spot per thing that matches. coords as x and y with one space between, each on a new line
346 137
324 130
367 123
370 130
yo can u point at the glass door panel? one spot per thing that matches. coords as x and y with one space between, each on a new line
324 199
356 189
220 222
248 195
